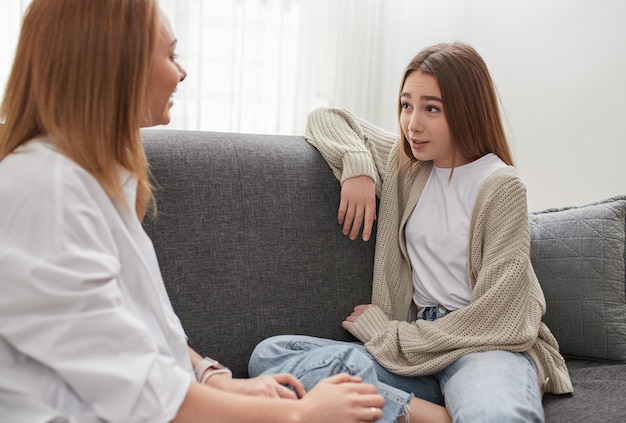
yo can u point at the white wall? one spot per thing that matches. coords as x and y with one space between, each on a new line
560 69
559 66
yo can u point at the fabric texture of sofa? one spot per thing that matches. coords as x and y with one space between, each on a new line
249 247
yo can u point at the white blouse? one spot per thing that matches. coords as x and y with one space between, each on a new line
438 230
87 331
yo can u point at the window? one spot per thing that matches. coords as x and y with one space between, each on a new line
260 66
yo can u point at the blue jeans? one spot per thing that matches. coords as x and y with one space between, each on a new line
311 359
491 386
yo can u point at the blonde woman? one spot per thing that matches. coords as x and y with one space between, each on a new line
87 333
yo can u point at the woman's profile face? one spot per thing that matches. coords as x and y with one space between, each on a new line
165 76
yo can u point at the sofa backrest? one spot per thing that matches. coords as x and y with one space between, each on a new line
249 247
248 240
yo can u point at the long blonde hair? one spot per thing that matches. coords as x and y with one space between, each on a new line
80 76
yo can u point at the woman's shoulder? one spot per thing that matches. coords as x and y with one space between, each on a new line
502 177
32 165
38 173
41 165
502 186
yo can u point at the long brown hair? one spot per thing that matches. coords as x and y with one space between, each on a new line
80 76
469 98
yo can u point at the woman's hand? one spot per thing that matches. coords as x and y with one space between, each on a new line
342 398
262 386
358 310
358 206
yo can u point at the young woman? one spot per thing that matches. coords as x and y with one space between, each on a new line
455 300
87 333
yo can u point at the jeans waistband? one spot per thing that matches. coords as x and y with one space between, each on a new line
432 313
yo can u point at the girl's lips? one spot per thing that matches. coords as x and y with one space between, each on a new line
418 144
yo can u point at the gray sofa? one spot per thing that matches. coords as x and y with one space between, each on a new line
249 247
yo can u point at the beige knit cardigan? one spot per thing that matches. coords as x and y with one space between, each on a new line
507 301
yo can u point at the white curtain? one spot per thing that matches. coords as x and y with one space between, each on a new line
10 22
259 66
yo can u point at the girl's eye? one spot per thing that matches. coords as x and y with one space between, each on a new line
405 105
174 57
432 109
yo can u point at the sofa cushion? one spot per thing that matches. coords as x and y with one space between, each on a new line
578 254
248 241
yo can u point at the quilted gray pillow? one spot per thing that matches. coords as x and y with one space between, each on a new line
578 254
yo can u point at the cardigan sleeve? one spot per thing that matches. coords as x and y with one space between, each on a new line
506 306
351 146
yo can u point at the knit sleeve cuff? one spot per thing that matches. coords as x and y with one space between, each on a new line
358 163
372 322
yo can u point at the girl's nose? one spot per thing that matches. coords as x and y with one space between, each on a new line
183 73
415 125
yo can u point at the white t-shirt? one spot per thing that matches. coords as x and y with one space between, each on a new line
87 331
437 233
